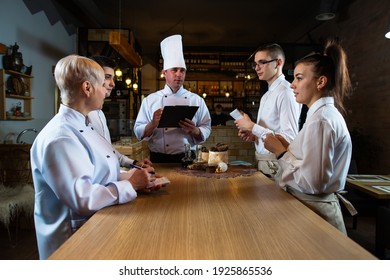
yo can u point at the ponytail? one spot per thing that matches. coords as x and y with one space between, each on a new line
342 87
333 65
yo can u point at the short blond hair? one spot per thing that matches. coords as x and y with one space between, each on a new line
71 71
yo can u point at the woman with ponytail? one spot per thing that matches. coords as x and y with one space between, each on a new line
315 164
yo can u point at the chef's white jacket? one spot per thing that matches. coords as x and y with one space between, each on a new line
75 172
172 140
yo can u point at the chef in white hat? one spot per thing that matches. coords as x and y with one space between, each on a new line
167 144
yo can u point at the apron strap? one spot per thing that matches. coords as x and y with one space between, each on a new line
351 209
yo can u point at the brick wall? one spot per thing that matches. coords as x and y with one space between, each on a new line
238 149
361 30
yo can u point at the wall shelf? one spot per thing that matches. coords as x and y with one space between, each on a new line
15 90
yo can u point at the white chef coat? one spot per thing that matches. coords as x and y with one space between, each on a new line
318 159
172 140
75 173
279 112
98 121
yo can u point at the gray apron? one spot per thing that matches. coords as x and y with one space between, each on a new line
325 205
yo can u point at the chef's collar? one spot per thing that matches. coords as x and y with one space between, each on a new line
167 90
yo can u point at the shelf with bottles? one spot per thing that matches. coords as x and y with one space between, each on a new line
234 61
254 90
208 88
227 103
254 87
197 61
15 95
217 88
230 94
212 60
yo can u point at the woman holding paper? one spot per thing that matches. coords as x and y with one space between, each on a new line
315 164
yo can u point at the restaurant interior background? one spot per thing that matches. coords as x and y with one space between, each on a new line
46 31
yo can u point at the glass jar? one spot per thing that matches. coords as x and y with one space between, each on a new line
199 153
187 159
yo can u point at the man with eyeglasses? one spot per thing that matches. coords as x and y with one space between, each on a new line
278 112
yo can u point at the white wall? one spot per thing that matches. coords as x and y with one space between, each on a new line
42 45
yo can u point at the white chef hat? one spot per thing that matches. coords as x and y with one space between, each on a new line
172 52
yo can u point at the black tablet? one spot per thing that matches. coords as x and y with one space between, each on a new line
173 114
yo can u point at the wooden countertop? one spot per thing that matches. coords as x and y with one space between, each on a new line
198 218
371 186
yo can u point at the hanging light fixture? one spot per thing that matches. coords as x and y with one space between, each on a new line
387 34
128 81
227 94
118 74
204 95
135 84
327 10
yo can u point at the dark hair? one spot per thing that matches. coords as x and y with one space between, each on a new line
274 50
218 106
333 65
104 61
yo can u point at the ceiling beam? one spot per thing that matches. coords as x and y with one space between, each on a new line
119 43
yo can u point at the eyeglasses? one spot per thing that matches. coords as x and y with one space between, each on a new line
260 63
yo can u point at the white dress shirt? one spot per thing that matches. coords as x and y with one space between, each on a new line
75 173
172 140
278 112
318 159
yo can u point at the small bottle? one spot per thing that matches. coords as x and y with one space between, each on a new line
198 153
187 159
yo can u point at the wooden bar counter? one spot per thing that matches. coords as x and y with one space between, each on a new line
198 218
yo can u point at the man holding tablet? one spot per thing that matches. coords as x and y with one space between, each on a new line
166 144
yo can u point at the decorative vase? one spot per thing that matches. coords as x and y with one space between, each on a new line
13 61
